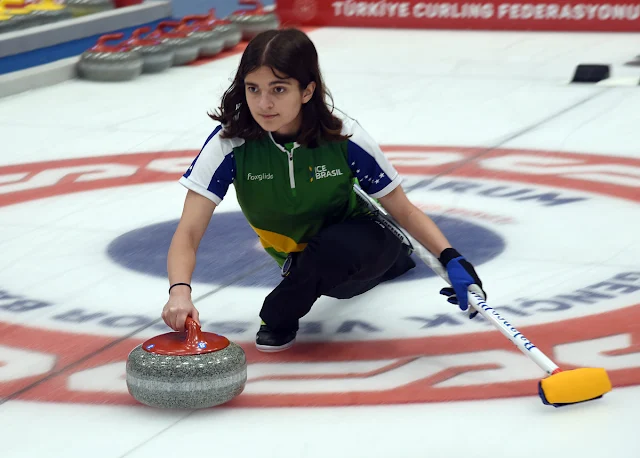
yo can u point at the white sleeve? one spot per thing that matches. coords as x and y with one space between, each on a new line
213 170
376 175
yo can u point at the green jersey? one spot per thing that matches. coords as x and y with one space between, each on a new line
288 193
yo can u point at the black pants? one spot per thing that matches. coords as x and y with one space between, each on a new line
342 261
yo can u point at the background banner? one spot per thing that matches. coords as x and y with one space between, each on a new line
588 16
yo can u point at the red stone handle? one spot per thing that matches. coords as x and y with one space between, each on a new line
255 3
110 37
141 31
195 17
194 335
144 37
102 46
15 5
213 20
197 22
172 29
191 342
168 26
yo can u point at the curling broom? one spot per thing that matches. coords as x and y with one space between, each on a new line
560 388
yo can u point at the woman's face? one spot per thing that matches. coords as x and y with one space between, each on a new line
276 103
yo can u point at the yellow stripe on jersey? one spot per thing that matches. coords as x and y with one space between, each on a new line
278 242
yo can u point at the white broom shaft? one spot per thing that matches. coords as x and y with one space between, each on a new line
475 300
479 304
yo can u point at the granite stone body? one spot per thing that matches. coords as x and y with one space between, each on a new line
185 49
84 7
186 382
254 24
231 33
156 58
211 42
110 66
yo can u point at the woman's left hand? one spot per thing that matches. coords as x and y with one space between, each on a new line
462 275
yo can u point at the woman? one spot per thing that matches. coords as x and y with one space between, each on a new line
293 165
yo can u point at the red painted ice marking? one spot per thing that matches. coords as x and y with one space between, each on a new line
427 369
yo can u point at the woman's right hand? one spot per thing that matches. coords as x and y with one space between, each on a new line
181 259
177 309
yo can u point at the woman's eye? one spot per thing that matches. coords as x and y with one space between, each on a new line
279 89
252 89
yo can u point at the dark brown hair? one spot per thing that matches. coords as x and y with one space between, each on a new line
290 54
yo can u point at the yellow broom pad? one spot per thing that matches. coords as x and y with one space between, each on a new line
576 385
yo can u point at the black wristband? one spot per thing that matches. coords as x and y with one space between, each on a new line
447 255
176 284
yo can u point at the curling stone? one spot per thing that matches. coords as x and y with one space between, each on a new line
186 370
156 56
23 17
49 11
253 22
231 33
8 23
211 40
85 7
185 48
110 63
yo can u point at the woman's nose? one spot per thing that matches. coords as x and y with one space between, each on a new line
265 102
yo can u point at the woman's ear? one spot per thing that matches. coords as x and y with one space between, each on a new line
308 92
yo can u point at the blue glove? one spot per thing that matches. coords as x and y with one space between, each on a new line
462 275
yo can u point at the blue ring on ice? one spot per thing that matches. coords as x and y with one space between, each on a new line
230 250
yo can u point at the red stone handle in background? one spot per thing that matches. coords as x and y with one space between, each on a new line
173 29
102 46
212 20
123 3
198 22
144 37
257 11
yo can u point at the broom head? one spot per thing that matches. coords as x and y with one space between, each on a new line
574 386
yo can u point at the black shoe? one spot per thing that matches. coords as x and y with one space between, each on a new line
269 341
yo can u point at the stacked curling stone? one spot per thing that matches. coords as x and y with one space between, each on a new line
185 47
8 23
156 55
231 33
190 370
19 17
110 62
254 22
211 41
85 7
48 11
